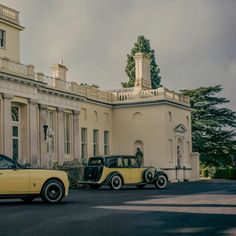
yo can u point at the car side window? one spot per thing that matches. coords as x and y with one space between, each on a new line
112 162
6 164
125 162
134 162
119 162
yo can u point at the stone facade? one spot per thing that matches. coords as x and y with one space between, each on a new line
46 120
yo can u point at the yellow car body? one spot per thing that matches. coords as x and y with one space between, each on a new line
129 175
118 170
27 183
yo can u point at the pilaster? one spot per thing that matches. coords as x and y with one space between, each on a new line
33 132
60 135
7 125
76 134
42 141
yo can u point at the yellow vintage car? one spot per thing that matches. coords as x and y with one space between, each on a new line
118 170
27 183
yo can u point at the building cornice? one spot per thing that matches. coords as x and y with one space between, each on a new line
10 23
156 102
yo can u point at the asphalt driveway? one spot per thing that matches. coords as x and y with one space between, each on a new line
194 208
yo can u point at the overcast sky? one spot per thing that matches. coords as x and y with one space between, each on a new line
195 41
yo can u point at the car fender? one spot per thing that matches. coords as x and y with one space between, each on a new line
109 177
157 174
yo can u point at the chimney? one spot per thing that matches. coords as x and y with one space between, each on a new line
59 71
142 72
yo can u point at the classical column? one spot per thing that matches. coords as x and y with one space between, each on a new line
43 141
7 125
1 124
76 136
60 135
33 133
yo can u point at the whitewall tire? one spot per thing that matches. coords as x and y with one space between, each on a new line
149 175
116 182
161 181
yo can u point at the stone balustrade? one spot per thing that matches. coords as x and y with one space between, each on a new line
16 68
91 92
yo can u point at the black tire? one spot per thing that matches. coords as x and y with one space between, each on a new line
161 182
148 175
52 192
94 186
140 186
116 182
27 199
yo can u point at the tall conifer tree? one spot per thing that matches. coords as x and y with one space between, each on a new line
142 45
212 126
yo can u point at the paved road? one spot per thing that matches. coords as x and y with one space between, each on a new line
199 208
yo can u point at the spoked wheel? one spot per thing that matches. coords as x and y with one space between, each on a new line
140 186
116 182
52 192
161 181
148 175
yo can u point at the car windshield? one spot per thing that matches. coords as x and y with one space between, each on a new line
95 161
7 163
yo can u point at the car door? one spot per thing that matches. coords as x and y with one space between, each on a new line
125 169
13 178
136 173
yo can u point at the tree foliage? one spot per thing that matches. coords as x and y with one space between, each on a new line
142 45
212 126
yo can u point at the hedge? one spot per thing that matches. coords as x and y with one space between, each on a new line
219 173
225 173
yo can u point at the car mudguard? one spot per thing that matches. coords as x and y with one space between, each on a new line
109 177
157 174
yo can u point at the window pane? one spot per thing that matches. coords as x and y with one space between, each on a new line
15 149
106 142
95 142
125 162
15 113
134 162
83 142
15 131
67 134
2 38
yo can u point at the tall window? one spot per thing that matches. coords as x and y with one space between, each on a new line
67 133
83 143
51 129
106 143
2 39
95 142
15 114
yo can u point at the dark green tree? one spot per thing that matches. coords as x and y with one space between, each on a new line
212 126
142 45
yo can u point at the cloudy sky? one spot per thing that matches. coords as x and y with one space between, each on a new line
195 41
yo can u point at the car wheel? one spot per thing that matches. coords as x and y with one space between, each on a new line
161 181
149 175
27 199
94 186
52 192
116 182
140 186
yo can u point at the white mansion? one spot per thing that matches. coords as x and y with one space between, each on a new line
43 117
